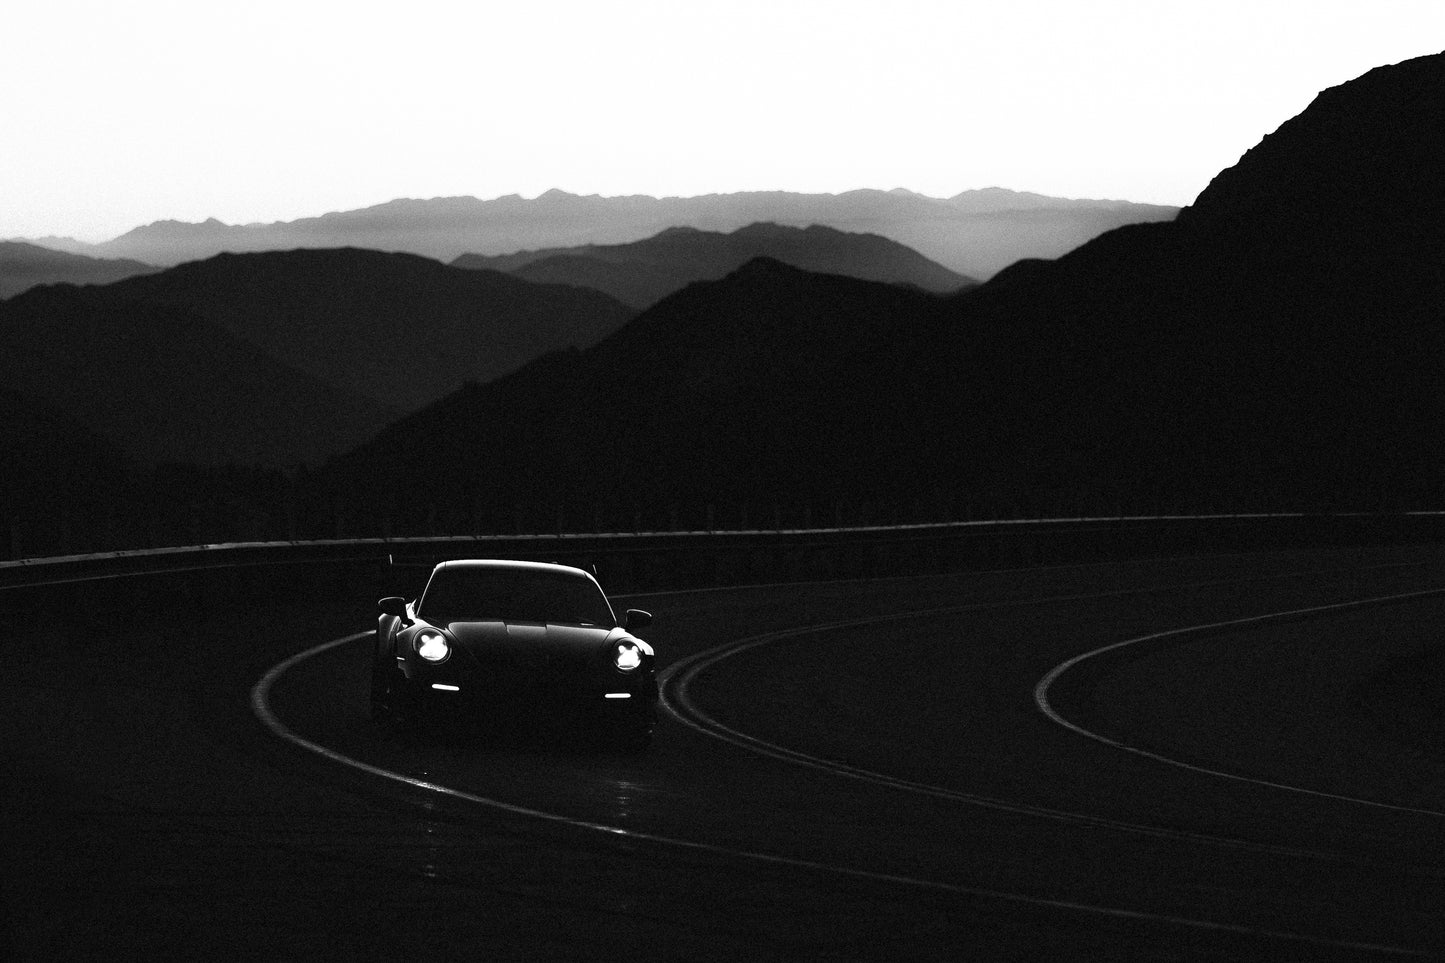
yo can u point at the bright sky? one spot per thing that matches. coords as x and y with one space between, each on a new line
117 114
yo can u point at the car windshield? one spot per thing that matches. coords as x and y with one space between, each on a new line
475 594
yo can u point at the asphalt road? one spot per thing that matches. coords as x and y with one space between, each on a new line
911 768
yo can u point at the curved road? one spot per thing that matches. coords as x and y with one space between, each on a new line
1204 758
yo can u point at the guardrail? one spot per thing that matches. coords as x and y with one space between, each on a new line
627 561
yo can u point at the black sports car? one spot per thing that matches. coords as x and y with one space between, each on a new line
514 637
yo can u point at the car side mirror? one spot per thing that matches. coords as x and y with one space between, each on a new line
636 619
393 605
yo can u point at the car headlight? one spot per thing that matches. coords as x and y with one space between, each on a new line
628 657
432 646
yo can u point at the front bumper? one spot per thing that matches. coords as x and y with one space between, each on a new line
609 693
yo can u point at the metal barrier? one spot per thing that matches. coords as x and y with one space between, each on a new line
674 560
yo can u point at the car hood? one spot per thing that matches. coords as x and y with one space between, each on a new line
536 644
509 636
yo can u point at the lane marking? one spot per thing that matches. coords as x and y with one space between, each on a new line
1041 695
676 679
260 694
261 706
675 697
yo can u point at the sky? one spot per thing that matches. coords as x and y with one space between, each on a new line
114 115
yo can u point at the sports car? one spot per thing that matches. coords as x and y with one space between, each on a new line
499 639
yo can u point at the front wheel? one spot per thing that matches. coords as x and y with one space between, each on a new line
394 697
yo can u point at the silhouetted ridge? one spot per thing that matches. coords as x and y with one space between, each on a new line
764 267
282 357
970 236
164 383
664 407
1332 158
1020 272
1281 341
399 328
23 266
1248 360
1366 161
642 272
1253 355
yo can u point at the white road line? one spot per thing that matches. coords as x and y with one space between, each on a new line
260 705
675 680
1041 695
673 689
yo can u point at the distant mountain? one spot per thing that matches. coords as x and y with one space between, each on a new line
997 200
975 233
714 389
644 272
399 329
164 384
1279 346
23 266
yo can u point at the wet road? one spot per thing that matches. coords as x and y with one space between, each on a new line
847 770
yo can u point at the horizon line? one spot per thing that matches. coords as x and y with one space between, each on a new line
557 191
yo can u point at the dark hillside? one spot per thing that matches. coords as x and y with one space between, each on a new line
715 390
59 482
165 384
1364 154
644 272
23 266
400 329
1243 357
1285 338
975 233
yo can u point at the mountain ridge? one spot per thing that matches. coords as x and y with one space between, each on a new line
167 385
397 328
645 271
1242 361
717 368
24 265
975 243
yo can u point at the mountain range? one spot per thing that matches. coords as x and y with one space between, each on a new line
1279 345
282 357
288 357
24 266
646 271
163 383
717 390
975 233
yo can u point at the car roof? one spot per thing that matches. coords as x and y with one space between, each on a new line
512 564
